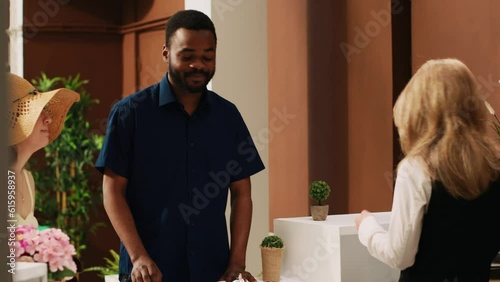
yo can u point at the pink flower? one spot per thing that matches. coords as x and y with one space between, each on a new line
51 246
26 240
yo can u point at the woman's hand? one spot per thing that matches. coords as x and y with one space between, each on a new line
360 217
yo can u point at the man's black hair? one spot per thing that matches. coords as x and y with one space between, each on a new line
188 19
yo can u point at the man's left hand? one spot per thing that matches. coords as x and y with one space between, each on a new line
232 273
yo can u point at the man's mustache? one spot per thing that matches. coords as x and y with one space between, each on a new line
204 73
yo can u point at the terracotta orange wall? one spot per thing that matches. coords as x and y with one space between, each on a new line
342 132
78 38
149 10
327 91
143 38
467 30
129 61
369 104
51 14
401 61
288 88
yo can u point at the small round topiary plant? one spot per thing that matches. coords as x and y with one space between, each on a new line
319 191
272 241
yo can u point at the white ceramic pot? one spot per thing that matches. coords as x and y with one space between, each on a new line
111 278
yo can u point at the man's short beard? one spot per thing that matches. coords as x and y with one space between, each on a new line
179 82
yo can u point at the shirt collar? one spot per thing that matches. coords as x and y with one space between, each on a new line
167 95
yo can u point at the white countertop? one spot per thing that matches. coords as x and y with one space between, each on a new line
343 221
30 271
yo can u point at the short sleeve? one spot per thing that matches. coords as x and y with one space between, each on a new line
245 154
116 151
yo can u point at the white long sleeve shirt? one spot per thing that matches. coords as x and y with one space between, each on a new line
398 246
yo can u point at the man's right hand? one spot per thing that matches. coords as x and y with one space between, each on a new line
145 270
116 206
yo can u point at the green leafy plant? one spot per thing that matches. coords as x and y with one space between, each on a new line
110 268
495 124
66 194
319 191
272 241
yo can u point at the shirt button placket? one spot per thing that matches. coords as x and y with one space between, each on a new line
190 168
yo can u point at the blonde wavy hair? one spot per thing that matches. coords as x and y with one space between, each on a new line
442 119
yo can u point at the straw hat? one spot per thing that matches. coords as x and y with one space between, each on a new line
26 104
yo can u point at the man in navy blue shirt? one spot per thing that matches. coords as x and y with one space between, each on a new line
172 154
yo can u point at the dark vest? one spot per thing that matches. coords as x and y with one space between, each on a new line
459 238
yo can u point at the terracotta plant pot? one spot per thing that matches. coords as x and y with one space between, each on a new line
319 213
271 263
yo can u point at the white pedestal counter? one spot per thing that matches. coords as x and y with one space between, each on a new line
30 272
329 251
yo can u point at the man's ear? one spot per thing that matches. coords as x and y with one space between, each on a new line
164 53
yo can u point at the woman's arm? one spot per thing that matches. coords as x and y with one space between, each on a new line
398 246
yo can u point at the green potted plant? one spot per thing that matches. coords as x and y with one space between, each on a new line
110 270
67 194
319 191
495 123
271 248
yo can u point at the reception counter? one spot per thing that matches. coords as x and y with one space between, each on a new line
329 251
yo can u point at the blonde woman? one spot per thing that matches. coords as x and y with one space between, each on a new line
445 216
35 119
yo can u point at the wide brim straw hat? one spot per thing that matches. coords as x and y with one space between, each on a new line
26 104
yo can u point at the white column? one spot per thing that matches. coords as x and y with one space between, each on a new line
241 77
4 234
15 31
202 6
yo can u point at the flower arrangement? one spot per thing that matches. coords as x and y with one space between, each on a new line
51 246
